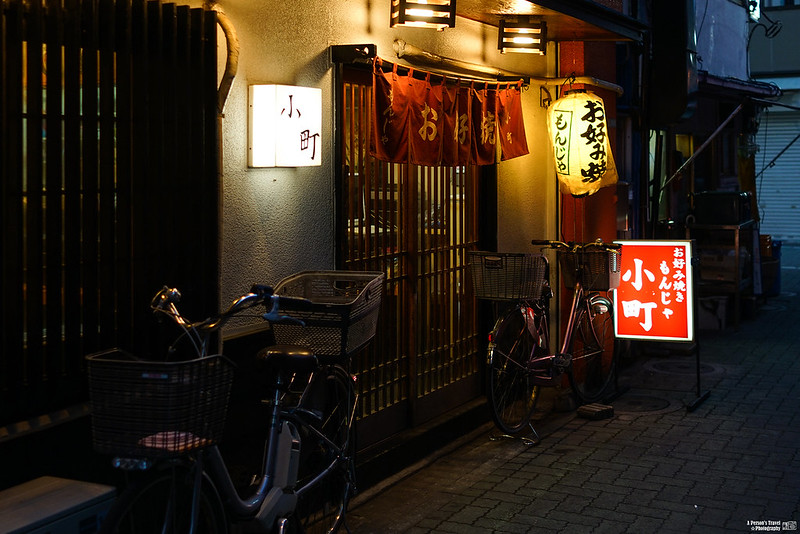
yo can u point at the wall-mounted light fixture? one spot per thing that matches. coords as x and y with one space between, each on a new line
523 35
581 148
438 14
284 128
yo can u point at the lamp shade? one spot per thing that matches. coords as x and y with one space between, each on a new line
581 148
438 14
524 35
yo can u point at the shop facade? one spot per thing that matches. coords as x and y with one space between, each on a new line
414 222
774 60
350 210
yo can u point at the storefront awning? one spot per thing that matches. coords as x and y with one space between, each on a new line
567 20
735 87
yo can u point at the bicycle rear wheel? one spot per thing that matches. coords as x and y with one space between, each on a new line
322 504
162 503
593 350
510 389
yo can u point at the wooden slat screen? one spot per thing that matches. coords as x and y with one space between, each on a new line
415 224
109 161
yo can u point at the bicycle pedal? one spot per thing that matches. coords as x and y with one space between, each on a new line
562 361
596 411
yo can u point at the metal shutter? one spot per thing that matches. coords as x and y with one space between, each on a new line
778 188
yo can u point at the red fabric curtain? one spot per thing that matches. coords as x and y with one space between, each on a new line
390 115
426 122
484 125
446 123
510 123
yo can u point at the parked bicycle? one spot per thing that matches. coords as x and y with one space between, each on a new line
166 418
519 360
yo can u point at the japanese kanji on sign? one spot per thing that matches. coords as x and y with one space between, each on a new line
445 123
654 299
285 125
581 147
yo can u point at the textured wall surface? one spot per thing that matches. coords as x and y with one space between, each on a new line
281 220
722 30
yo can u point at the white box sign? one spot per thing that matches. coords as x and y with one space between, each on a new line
285 124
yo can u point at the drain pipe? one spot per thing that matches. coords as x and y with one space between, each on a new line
231 66
232 61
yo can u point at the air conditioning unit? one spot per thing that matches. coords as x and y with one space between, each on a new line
50 505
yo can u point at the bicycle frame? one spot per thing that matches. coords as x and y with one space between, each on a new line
519 358
170 413
275 496
579 296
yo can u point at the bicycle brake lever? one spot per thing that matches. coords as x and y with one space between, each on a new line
274 317
165 298
261 290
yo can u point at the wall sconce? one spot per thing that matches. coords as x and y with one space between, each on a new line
284 127
438 14
525 35
581 148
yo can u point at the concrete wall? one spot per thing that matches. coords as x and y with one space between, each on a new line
281 220
779 55
721 30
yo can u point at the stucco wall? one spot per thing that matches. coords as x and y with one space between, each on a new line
779 55
278 221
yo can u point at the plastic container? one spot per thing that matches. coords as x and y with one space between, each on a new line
771 271
598 269
145 409
341 316
713 313
507 275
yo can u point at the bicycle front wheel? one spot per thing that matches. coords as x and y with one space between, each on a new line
163 503
510 389
593 350
322 502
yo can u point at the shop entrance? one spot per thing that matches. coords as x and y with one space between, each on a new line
415 223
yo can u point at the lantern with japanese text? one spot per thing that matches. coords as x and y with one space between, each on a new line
581 148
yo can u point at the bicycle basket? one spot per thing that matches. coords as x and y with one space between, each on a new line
598 270
507 275
343 314
145 409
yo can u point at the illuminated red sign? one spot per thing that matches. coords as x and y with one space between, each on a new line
654 299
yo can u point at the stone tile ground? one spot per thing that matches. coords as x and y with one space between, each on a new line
730 465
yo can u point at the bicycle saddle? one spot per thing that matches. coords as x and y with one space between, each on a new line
292 358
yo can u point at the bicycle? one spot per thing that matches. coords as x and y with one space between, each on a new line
519 361
163 420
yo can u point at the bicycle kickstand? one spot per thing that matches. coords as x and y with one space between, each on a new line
532 440
529 441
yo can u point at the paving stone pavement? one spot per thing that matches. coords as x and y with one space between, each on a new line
730 465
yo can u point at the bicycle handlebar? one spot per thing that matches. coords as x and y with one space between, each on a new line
572 246
166 299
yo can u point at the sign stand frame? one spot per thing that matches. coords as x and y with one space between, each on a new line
701 396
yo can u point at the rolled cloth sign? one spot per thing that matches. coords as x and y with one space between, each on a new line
510 123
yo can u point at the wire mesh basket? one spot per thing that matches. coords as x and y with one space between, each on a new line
598 270
342 315
146 409
507 275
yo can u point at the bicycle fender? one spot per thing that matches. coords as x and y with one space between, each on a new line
600 304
